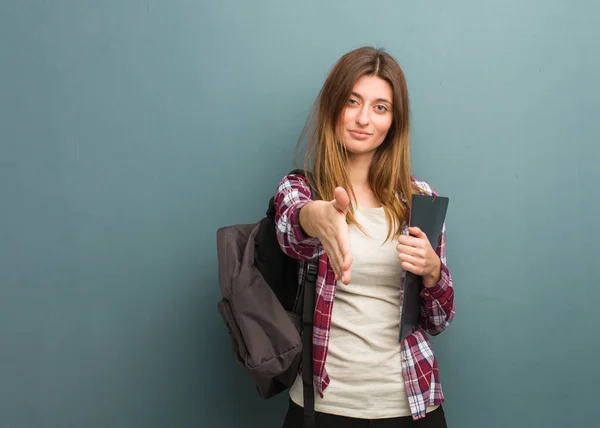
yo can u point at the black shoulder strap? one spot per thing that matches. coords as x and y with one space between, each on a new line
308 314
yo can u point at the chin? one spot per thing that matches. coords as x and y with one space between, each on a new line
361 153
358 148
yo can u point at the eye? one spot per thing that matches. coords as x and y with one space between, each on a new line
381 108
352 101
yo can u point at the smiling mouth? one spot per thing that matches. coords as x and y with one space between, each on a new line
359 135
357 132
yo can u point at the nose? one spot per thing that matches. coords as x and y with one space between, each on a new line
362 116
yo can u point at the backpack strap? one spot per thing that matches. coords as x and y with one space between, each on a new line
308 314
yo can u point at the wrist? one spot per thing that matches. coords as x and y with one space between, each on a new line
308 218
431 279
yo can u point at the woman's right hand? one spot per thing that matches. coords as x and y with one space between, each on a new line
327 222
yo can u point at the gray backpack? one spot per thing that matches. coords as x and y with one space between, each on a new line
267 310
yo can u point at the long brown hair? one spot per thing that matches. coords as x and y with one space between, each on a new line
389 175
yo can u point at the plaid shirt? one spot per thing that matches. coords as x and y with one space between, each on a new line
419 366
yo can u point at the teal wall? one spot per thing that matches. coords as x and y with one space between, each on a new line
131 130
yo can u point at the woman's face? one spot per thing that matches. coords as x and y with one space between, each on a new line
367 117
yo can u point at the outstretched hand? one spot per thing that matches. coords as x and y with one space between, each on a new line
332 231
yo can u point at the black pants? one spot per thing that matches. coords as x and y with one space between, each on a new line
295 413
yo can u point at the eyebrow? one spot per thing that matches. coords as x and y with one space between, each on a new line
379 100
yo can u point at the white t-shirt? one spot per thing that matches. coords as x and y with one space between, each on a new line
363 359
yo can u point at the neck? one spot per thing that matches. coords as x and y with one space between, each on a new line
358 169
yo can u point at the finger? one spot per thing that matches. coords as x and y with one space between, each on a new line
335 261
416 232
336 270
345 253
413 260
409 241
346 257
341 201
417 252
333 256
414 266
342 249
406 249
410 268
338 261
413 241
346 277
341 241
339 268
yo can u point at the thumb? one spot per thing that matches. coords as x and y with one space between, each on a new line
416 232
341 201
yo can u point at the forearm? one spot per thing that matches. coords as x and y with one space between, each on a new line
292 196
308 219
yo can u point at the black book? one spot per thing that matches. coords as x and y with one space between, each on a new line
428 213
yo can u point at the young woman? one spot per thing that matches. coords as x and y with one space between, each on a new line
359 157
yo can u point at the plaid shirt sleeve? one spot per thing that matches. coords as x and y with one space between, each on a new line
292 194
437 310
